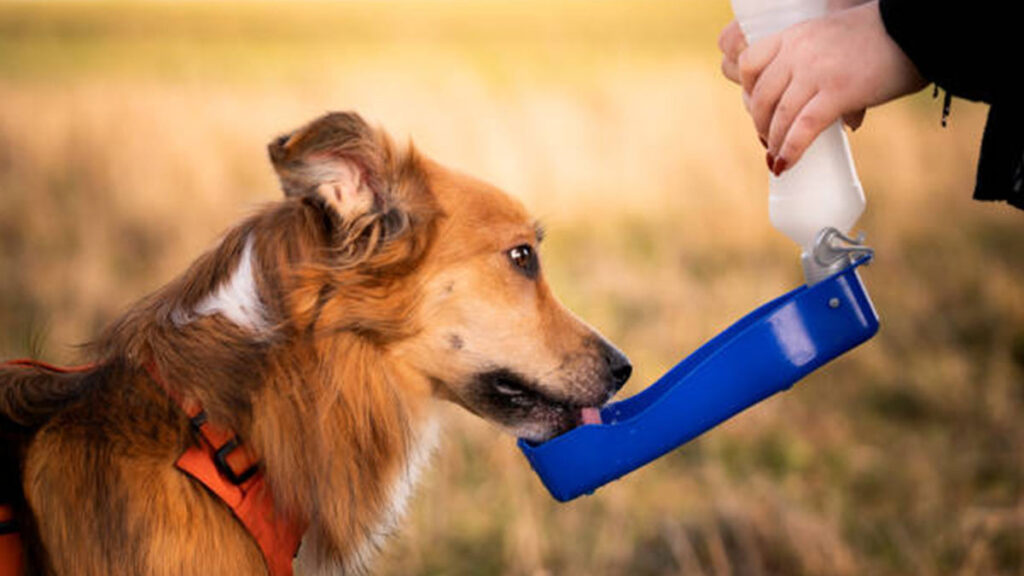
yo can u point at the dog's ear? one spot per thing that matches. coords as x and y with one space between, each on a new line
336 159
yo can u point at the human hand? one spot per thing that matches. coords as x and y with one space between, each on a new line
732 43
798 82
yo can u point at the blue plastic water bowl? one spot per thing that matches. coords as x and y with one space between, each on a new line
766 352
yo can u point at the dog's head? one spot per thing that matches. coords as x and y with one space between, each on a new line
450 279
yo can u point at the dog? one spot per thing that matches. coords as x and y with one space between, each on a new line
322 330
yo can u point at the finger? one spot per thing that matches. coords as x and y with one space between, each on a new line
819 113
854 119
769 89
754 59
730 69
731 41
791 102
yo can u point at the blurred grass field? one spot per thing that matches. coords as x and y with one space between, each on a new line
131 134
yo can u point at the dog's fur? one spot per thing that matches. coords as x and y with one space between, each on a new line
319 329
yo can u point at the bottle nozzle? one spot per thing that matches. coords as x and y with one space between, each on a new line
832 251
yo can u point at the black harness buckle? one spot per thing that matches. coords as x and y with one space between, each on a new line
220 455
220 460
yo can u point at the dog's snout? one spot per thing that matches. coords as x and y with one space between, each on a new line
618 366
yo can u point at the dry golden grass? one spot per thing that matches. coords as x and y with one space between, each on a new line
131 134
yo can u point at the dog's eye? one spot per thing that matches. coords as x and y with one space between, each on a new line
525 260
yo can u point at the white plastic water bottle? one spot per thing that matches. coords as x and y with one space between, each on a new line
822 189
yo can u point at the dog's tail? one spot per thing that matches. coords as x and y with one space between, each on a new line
31 392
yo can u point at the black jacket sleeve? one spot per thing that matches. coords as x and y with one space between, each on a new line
971 50
964 47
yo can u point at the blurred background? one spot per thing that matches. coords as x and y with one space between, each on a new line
132 134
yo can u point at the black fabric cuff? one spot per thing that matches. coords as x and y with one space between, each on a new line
1001 164
963 47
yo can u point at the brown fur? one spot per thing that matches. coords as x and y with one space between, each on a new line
384 282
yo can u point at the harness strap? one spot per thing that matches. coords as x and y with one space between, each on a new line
12 558
30 363
231 458
226 467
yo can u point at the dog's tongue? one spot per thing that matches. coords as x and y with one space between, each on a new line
590 415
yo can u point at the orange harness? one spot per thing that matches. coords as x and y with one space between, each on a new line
11 558
220 463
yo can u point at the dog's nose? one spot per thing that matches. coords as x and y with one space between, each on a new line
618 366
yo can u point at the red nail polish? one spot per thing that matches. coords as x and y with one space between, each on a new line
770 160
780 165
763 141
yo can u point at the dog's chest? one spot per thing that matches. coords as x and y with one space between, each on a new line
398 491
404 483
401 489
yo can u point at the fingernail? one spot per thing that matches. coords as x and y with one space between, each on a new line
763 141
780 166
771 161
